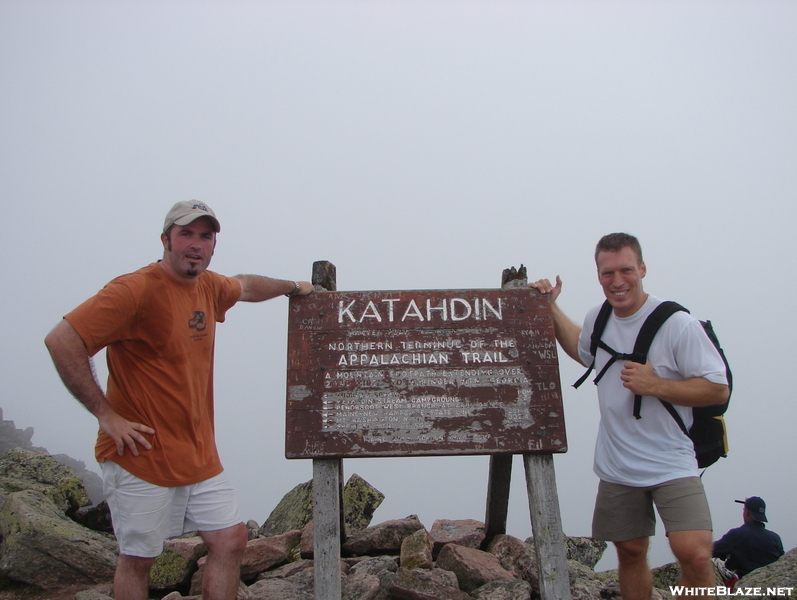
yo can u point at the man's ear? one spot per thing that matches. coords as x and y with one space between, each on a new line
643 270
165 241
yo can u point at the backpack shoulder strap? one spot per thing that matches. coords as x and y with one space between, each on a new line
645 337
651 327
709 329
600 325
716 410
674 413
597 331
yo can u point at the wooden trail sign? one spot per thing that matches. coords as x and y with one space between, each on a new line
376 339
422 372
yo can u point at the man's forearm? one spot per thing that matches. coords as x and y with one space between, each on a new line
696 391
258 288
567 332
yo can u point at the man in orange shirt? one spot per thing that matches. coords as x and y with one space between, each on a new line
162 475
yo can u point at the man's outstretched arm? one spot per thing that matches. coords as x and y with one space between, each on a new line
257 288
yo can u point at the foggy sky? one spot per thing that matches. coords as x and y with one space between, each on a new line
416 145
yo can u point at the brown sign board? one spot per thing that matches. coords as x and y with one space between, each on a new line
422 373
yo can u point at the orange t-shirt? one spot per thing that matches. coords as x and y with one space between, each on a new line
159 335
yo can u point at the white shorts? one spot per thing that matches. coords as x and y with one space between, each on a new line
144 514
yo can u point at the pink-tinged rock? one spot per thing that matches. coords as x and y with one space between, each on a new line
385 538
464 532
287 570
362 586
504 589
422 584
260 555
289 542
472 567
416 551
306 545
517 557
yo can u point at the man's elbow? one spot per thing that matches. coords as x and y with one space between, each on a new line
574 355
246 288
62 338
720 394
52 339
726 393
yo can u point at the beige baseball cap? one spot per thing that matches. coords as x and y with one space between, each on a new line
187 211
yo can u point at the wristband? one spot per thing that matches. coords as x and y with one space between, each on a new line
296 288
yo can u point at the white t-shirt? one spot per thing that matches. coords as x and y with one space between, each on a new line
653 449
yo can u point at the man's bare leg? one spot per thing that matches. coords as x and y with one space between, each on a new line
131 579
222 574
636 580
693 549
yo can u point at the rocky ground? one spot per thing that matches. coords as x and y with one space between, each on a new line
54 537
22 592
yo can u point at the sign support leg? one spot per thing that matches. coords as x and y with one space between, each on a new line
497 496
501 464
327 527
546 524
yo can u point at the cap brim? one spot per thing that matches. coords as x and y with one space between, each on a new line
182 221
762 519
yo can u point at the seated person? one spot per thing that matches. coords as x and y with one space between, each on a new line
752 545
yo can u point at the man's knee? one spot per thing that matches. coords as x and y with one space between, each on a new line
691 546
230 541
631 551
693 550
133 568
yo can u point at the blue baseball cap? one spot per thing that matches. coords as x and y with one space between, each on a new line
757 508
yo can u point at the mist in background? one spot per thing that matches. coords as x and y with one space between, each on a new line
416 145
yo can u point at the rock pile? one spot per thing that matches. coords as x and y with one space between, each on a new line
53 539
393 560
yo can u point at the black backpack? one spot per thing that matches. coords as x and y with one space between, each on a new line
708 433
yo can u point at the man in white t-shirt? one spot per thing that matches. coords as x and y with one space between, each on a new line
647 461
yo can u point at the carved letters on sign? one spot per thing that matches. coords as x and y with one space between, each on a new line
432 372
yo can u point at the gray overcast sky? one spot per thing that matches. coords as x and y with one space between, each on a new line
415 145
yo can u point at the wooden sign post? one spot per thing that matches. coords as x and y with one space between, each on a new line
422 373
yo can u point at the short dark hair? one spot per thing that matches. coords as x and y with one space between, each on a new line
614 242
